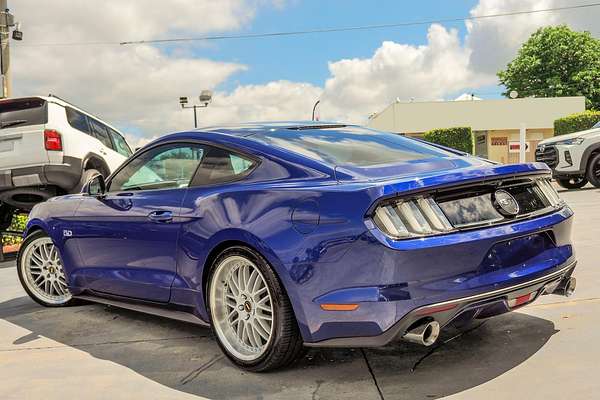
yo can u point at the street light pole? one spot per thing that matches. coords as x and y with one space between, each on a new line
314 109
205 98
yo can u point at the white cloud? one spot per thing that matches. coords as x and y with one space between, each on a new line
494 42
131 86
279 100
138 86
430 71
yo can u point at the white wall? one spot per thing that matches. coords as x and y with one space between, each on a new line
479 114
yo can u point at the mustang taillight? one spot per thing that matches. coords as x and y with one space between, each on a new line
422 216
549 192
412 218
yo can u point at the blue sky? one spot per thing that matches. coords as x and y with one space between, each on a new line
304 58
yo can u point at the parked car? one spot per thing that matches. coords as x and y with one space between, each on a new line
49 147
290 235
574 158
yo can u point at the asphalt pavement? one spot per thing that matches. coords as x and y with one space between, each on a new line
548 350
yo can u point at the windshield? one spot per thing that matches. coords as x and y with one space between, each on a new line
350 145
597 125
22 112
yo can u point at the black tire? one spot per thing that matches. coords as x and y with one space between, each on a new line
574 182
6 216
85 178
29 241
593 170
286 345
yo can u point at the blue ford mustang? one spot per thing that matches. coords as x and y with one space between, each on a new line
289 235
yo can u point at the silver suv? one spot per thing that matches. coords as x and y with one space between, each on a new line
574 158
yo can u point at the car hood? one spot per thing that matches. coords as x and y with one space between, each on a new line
585 134
407 169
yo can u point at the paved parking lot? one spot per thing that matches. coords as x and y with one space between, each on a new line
548 350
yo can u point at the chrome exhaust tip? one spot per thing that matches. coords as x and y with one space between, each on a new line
566 287
425 334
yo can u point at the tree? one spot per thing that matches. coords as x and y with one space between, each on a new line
556 61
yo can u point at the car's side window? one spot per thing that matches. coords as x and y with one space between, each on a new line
221 166
101 132
169 166
78 121
120 144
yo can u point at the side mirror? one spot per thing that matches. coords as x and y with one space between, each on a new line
95 186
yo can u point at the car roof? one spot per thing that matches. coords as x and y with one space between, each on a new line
61 102
251 128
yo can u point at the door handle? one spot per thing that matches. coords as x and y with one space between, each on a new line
161 216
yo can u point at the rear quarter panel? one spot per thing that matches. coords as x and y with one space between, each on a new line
292 227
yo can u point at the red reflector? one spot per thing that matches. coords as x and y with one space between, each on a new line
52 140
435 309
522 299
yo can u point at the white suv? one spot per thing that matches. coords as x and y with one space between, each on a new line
49 147
574 158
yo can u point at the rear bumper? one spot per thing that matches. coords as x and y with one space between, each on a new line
65 176
481 305
389 279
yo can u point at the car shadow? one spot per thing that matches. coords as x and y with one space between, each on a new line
583 189
186 358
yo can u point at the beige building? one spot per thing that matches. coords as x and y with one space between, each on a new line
495 123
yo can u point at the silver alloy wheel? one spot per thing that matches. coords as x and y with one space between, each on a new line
43 272
241 308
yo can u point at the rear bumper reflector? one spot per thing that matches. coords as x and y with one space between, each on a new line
519 301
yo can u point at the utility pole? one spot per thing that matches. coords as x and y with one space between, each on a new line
7 20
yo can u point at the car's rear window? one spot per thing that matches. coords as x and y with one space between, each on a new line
23 112
349 145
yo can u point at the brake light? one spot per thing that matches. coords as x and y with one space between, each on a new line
52 140
411 218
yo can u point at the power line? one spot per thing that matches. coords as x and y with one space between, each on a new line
316 31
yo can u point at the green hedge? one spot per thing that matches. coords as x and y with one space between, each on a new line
576 122
18 224
459 138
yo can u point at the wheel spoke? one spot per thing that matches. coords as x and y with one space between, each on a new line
262 328
233 286
256 336
230 303
257 286
260 291
240 330
240 283
251 280
264 317
232 313
230 296
250 334
36 259
246 275
44 252
56 288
